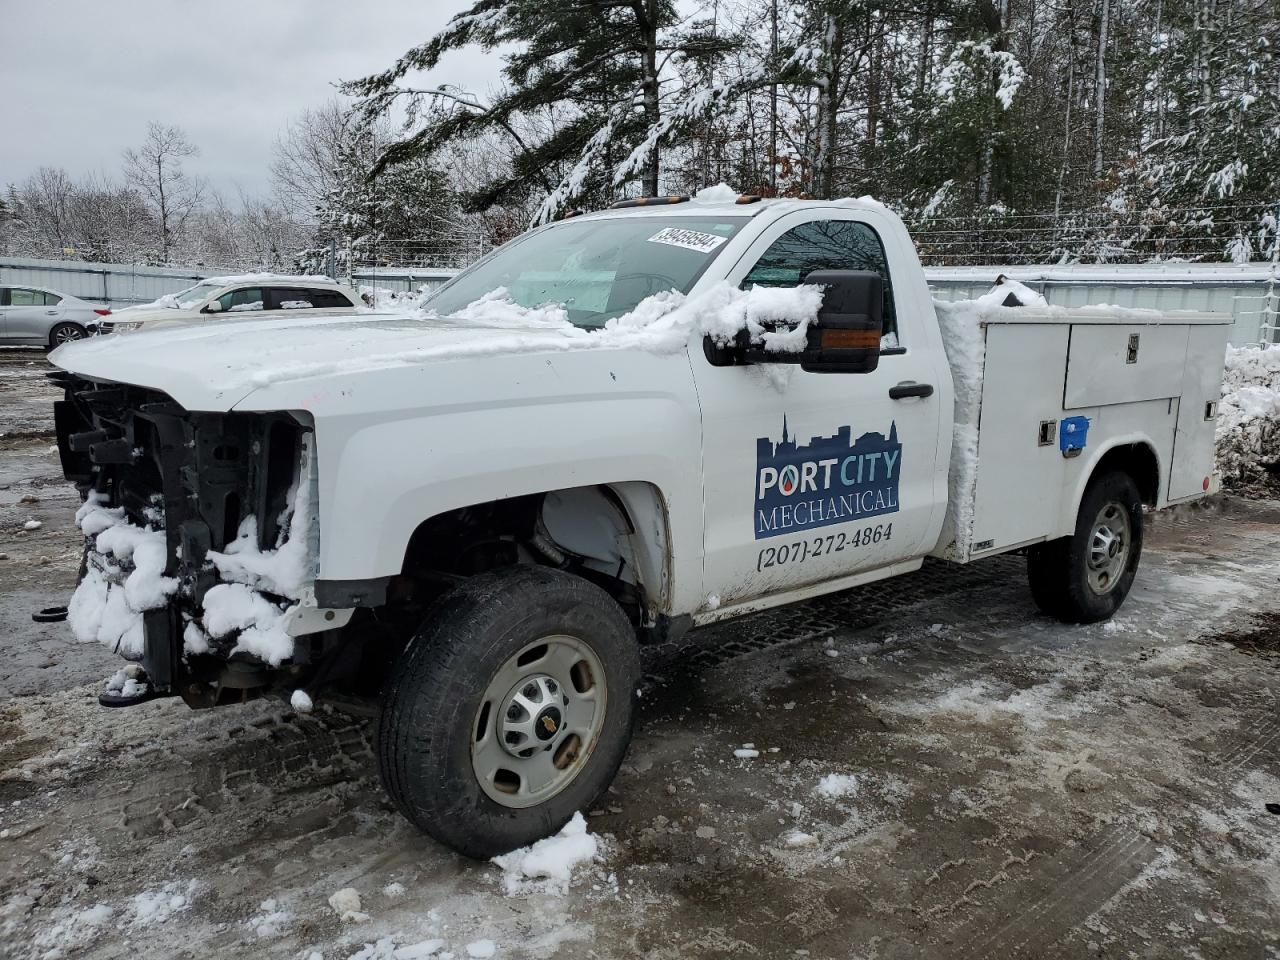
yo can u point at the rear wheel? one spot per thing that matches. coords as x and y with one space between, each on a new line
510 710
1085 577
66 333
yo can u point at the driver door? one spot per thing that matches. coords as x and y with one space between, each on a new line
814 477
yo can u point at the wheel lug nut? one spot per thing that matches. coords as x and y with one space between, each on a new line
530 690
513 712
551 686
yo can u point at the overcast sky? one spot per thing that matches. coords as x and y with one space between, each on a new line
81 78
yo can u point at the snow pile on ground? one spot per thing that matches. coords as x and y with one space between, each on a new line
271 920
380 298
1248 429
108 604
72 928
835 786
346 904
161 904
547 866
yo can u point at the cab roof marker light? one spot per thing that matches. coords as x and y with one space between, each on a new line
748 198
648 201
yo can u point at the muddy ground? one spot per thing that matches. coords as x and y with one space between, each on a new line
1021 788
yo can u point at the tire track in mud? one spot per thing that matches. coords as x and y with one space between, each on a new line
1266 735
1055 899
290 761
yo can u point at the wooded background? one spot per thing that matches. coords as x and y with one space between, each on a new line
1019 131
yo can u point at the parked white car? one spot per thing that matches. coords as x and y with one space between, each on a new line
40 317
238 297
612 429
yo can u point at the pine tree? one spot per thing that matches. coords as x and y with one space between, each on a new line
1218 140
583 101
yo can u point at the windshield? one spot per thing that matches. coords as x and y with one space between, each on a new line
596 269
197 294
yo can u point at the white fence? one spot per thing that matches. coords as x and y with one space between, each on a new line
122 284
115 284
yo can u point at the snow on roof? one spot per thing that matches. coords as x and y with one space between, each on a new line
268 277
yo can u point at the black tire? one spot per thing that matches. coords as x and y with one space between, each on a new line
433 697
1059 571
65 333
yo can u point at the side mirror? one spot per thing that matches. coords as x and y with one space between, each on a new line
845 337
214 306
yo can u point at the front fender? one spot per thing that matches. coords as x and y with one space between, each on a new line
497 428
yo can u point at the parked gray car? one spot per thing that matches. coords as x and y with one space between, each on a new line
37 316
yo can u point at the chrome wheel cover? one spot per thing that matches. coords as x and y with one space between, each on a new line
1109 543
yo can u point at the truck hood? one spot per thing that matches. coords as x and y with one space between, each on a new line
213 366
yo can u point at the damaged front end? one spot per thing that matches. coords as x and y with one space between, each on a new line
201 539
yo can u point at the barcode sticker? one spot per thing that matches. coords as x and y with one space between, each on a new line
688 239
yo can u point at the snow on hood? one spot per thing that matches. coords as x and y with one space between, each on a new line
211 367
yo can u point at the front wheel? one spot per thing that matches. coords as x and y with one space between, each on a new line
510 710
1085 577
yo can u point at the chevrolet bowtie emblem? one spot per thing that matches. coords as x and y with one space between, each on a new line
549 724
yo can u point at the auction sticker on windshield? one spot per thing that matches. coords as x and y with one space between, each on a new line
689 239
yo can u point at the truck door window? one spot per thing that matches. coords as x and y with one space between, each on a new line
827 245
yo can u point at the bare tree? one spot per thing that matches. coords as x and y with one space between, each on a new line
155 170
308 155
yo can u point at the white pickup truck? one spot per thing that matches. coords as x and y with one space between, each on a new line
614 428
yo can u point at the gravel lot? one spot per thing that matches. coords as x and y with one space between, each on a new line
1018 787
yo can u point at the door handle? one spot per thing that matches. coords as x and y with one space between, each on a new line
909 388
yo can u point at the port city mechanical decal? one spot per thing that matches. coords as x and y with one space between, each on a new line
829 480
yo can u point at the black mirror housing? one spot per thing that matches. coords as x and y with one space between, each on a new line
846 338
